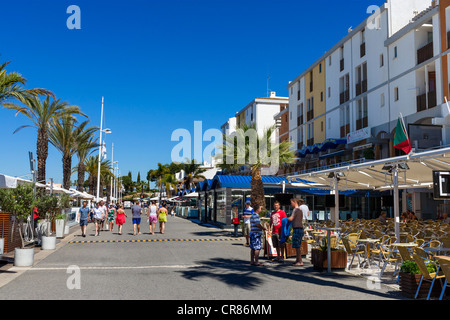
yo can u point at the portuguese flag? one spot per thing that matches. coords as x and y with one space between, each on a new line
401 139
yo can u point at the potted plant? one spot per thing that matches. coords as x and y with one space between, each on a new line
409 279
64 204
47 205
19 202
319 257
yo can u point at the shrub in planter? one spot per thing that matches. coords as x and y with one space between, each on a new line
19 202
409 279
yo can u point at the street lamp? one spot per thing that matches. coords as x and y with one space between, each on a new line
106 131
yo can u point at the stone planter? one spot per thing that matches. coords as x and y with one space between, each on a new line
59 227
23 257
48 243
410 282
319 259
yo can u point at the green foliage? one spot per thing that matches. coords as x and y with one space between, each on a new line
411 267
46 205
18 201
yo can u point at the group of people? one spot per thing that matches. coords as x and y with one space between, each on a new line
279 222
102 214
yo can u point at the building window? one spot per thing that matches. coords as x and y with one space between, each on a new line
396 94
329 60
395 52
381 60
329 92
321 96
382 100
320 68
321 126
361 114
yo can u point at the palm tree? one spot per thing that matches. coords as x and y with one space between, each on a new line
92 170
42 114
65 137
12 87
192 171
247 148
86 143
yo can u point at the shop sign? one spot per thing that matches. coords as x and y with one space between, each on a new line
358 135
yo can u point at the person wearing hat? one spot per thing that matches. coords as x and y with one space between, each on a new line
248 211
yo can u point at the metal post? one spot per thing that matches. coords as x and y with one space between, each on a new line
396 203
336 201
100 153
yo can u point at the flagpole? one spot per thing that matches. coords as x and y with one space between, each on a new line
100 152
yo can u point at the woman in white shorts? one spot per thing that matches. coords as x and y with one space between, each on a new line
152 217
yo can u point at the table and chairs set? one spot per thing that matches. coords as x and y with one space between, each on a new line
375 245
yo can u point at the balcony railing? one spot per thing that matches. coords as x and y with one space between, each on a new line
299 121
310 115
344 130
299 145
363 49
422 101
344 96
362 123
342 64
425 53
310 142
361 87
448 40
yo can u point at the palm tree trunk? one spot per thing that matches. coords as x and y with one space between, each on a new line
81 174
42 153
257 188
67 169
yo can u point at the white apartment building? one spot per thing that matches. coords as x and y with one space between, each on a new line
260 111
390 64
395 62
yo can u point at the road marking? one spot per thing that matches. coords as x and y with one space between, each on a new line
149 240
127 267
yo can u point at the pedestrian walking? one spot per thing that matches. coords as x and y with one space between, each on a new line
255 237
152 217
120 218
136 212
99 216
305 211
275 224
162 218
297 224
105 213
83 217
111 216
248 211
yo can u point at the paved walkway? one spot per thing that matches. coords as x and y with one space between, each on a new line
188 262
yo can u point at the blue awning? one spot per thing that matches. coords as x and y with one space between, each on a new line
321 147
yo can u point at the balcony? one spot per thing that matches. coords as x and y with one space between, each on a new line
310 142
362 123
342 64
344 130
361 87
362 49
344 96
448 40
310 115
425 53
422 101
299 121
299 145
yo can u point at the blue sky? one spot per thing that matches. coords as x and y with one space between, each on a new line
161 65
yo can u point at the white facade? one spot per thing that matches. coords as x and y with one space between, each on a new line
370 88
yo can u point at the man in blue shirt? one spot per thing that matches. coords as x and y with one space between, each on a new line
136 211
83 215
255 237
